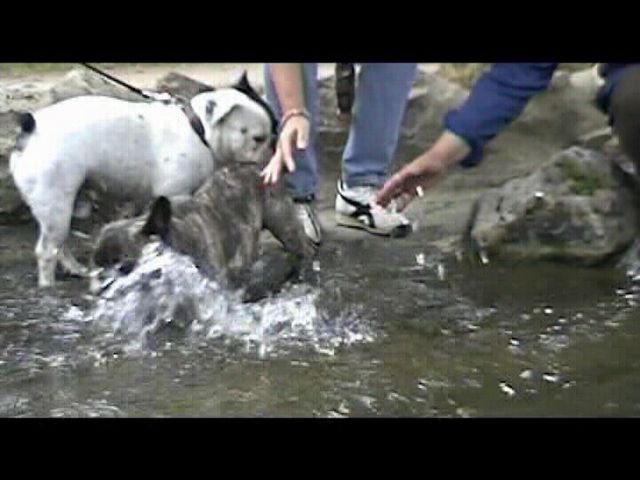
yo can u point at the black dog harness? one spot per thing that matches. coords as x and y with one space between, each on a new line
195 122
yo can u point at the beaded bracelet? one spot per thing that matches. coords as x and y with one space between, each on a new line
295 112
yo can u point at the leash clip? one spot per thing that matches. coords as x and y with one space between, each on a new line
162 97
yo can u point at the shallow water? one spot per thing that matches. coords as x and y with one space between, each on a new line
381 328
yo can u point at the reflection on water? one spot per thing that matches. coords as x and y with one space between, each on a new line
379 331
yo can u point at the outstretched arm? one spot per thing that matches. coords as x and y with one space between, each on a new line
497 98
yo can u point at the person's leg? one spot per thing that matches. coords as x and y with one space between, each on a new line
382 94
625 113
303 181
345 85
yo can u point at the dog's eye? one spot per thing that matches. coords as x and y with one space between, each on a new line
259 138
243 130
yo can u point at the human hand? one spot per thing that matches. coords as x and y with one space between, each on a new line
410 182
423 172
294 134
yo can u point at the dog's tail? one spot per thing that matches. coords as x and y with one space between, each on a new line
27 126
27 123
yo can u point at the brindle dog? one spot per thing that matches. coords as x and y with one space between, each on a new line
219 228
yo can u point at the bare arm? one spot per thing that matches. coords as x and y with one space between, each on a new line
424 171
287 80
496 99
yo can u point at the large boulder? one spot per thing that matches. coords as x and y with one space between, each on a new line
81 81
579 207
181 86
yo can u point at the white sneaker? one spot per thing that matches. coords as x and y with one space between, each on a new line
307 215
357 208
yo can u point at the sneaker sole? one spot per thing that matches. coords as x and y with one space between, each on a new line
400 231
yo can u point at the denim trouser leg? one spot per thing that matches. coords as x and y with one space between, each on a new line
303 182
381 98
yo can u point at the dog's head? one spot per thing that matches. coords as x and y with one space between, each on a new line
239 125
120 243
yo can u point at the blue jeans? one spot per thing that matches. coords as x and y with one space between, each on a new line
381 98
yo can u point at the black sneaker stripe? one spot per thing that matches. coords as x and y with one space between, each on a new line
361 209
351 202
364 211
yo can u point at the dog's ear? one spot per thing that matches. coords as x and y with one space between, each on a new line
220 110
243 84
158 222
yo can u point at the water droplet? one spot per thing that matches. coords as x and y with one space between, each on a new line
464 412
441 272
507 389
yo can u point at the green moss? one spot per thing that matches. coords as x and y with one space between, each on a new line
182 406
582 183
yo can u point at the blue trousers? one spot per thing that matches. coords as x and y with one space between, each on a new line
381 98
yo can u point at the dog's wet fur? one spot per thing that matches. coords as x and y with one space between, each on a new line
219 228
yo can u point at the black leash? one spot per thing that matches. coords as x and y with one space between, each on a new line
118 81
194 120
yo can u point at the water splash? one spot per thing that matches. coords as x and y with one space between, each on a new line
167 296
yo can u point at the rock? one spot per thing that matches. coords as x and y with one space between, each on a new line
8 131
12 209
432 95
23 97
579 208
181 85
596 139
81 81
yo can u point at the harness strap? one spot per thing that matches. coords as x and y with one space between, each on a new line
195 122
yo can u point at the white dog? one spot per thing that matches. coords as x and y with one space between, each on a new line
134 151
